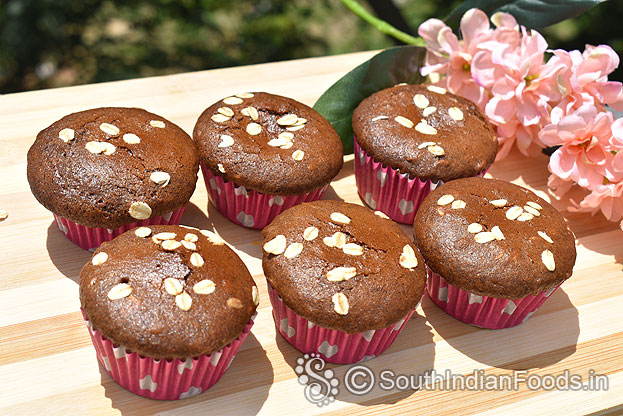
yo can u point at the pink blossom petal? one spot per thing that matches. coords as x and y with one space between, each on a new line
457 63
473 92
549 135
617 130
592 200
596 155
524 139
587 175
559 185
504 147
612 208
466 56
587 77
527 112
602 125
427 70
611 93
542 106
504 88
562 164
576 57
553 67
556 114
507 130
608 171
617 162
501 19
455 79
575 122
483 70
604 54
448 41
474 23
533 103
429 31
504 55
528 142
500 110
533 47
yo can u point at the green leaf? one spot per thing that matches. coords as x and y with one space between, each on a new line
384 70
533 14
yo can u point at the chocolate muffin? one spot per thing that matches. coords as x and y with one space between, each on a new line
169 294
425 132
495 245
262 153
111 167
411 137
339 272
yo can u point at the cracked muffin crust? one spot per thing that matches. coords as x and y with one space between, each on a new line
168 292
425 132
108 167
268 143
343 266
494 238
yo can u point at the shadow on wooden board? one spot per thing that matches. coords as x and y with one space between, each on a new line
331 194
250 375
247 240
412 353
67 257
549 336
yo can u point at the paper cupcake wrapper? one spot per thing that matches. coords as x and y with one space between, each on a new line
251 209
332 345
482 311
90 238
387 190
164 379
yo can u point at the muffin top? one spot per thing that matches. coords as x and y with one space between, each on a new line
168 292
268 143
425 132
343 266
108 167
493 238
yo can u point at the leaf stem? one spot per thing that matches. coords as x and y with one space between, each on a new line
381 25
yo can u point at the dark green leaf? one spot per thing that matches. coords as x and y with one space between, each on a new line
384 70
534 14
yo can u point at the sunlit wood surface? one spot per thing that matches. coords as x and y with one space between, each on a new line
47 363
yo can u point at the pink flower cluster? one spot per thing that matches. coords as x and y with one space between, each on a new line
535 103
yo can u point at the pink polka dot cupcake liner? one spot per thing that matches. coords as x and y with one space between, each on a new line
482 311
387 190
332 345
164 379
250 209
90 238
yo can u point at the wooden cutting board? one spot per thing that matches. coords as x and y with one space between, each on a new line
48 366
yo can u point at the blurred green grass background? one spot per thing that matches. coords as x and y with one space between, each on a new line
53 43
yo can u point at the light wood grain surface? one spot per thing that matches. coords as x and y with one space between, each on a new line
47 363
